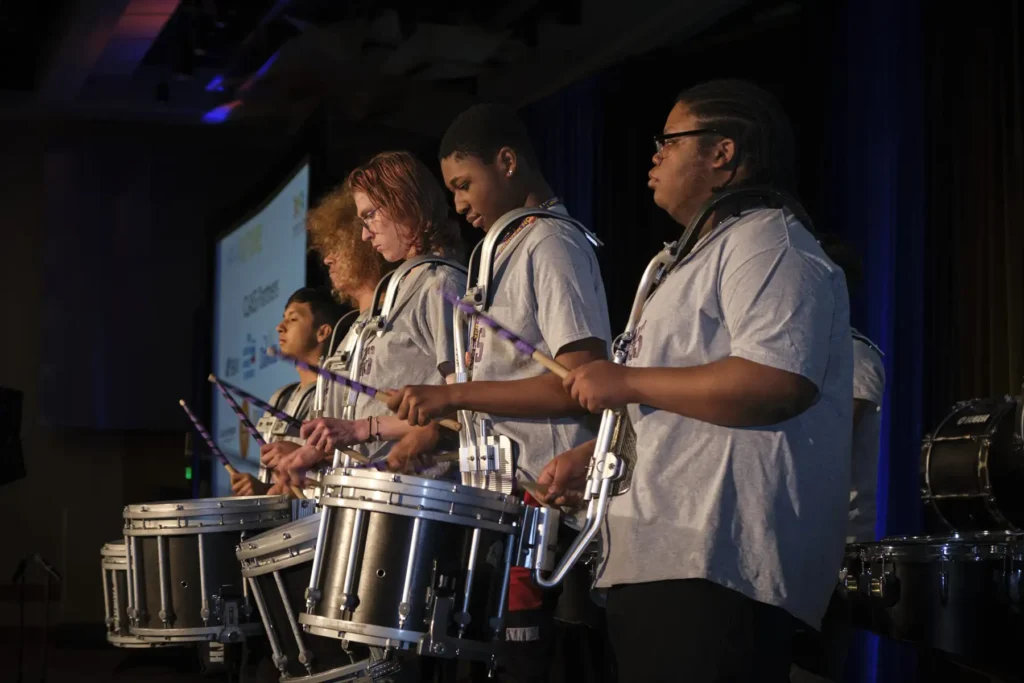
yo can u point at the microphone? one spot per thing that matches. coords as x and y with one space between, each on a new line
47 567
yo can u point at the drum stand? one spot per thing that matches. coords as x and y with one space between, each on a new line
19 578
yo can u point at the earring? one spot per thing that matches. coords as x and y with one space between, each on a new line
509 173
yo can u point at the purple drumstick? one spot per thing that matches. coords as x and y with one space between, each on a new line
490 322
246 422
259 403
205 434
355 386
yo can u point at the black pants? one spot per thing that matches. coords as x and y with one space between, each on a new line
697 631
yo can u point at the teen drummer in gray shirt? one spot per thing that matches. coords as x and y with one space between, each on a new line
739 386
547 287
403 214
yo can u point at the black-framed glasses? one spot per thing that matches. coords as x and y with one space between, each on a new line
368 218
661 139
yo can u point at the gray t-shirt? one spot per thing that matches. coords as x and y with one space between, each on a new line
759 510
417 340
548 290
868 385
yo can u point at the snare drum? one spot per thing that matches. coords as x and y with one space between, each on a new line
185 584
413 564
958 593
114 567
277 565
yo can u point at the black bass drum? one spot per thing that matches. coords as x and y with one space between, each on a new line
972 467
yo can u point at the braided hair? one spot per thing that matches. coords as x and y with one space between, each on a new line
755 121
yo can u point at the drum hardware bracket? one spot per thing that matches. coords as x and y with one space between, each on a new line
231 633
438 643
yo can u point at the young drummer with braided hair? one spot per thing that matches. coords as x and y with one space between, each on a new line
738 385
547 287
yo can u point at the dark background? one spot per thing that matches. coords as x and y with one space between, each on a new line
908 116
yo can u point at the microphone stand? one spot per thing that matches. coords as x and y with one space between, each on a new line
19 576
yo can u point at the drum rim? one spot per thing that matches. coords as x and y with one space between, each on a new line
418 487
337 477
266 543
509 527
174 509
114 549
200 633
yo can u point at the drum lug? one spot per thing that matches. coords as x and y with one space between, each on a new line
281 662
349 601
944 584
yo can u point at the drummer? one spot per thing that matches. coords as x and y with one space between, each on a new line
821 655
403 214
304 331
547 288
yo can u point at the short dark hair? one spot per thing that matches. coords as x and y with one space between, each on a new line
482 130
325 309
754 119
846 257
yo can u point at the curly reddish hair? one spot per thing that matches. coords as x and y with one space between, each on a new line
404 189
335 229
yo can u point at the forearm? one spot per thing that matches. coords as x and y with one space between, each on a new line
534 397
732 392
391 428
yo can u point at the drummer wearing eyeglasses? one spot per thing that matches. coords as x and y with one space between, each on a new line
403 214
738 386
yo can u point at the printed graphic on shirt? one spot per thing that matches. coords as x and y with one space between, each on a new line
637 344
366 363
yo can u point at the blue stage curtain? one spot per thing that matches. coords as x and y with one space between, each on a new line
875 197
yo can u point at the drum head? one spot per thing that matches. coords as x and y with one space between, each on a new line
973 467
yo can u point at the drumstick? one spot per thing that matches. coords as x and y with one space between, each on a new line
247 423
355 386
260 403
207 438
521 346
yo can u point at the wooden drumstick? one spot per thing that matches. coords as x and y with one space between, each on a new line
215 450
355 386
247 423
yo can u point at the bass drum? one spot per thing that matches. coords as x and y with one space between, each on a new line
972 467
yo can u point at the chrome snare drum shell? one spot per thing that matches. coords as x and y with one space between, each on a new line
276 564
114 570
411 563
185 583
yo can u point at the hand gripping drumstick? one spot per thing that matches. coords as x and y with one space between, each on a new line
251 428
355 386
260 403
521 346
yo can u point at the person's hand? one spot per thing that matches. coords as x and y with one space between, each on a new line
280 487
272 453
244 484
420 404
328 433
293 468
599 385
566 476
409 452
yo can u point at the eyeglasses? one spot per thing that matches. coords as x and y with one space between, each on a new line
661 141
368 218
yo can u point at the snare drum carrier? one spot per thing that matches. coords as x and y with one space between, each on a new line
611 465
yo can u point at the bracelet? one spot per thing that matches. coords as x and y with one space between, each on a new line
371 436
